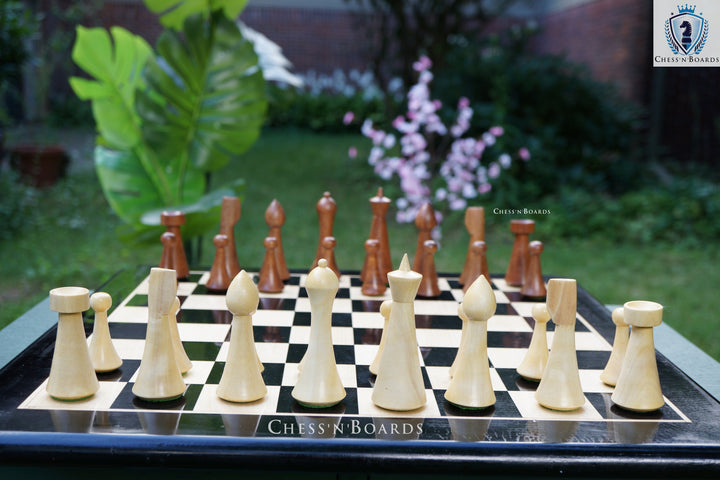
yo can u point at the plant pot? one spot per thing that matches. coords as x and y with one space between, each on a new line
39 165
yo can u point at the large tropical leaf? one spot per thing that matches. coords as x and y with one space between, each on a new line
174 12
206 99
117 74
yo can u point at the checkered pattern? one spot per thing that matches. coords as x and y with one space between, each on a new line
282 329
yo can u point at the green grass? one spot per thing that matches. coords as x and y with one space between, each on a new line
70 240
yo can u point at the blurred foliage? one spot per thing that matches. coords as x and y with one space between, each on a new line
17 203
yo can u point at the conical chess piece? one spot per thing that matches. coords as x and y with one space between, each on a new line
326 209
536 357
471 386
270 281
425 221
328 253
275 219
477 256
373 283
612 369
229 216
173 220
378 230
475 225
159 378
519 257
72 376
429 287
220 277
102 351
318 384
168 253
399 384
241 379
560 387
184 363
638 386
385 308
533 283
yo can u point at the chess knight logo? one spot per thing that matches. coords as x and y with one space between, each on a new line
686 32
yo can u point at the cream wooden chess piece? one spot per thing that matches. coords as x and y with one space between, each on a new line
184 363
385 308
72 376
638 386
241 379
399 384
463 339
536 357
471 386
318 384
610 375
560 387
159 378
102 351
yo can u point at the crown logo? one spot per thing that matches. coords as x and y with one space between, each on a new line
686 9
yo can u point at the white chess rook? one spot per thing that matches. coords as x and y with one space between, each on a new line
318 384
159 377
241 379
72 376
638 386
399 384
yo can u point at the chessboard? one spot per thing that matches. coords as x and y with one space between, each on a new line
281 329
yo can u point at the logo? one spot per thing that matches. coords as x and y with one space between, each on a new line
686 32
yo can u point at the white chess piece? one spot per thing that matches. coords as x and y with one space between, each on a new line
181 357
536 357
612 369
102 351
385 308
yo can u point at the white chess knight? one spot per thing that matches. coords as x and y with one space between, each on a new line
318 384
399 384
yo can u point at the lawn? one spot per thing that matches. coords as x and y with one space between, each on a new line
69 238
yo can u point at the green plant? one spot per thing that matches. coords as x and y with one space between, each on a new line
169 118
16 26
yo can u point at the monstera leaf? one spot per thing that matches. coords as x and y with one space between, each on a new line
206 98
176 11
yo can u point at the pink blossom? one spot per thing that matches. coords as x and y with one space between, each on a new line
524 154
348 118
437 104
505 160
494 170
497 131
422 64
458 204
463 102
352 152
484 188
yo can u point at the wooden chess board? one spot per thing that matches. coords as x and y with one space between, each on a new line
689 419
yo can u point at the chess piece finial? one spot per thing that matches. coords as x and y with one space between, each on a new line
536 357
612 369
638 386
72 376
241 379
470 386
183 361
102 351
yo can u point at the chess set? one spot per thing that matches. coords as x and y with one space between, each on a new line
687 417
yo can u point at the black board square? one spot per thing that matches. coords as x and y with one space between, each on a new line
279 334
344 354
207 351
342 320
296 352
438 356
302 319
135 331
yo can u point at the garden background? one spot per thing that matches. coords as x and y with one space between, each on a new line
620 154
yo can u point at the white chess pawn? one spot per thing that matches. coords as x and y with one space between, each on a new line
610 375
536 357
399 384
560 387
159 378
385 308
318 384
102 351
72 376
241 379
471 386
184 363
638 386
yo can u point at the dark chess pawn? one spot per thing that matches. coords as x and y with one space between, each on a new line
270 281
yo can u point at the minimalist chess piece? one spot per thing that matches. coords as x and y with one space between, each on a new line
373 282
270 281
184 363
536 357
612 369
168 253
425 221
378 230
173 220
220 277
533 283
385 308
560 387
470 386
229 217
429 285
275 219
159 378
102 351
463 339
318 384
638 386
477 255
72 376
519 256
241 379
326 209
328 253
475 225
399 384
